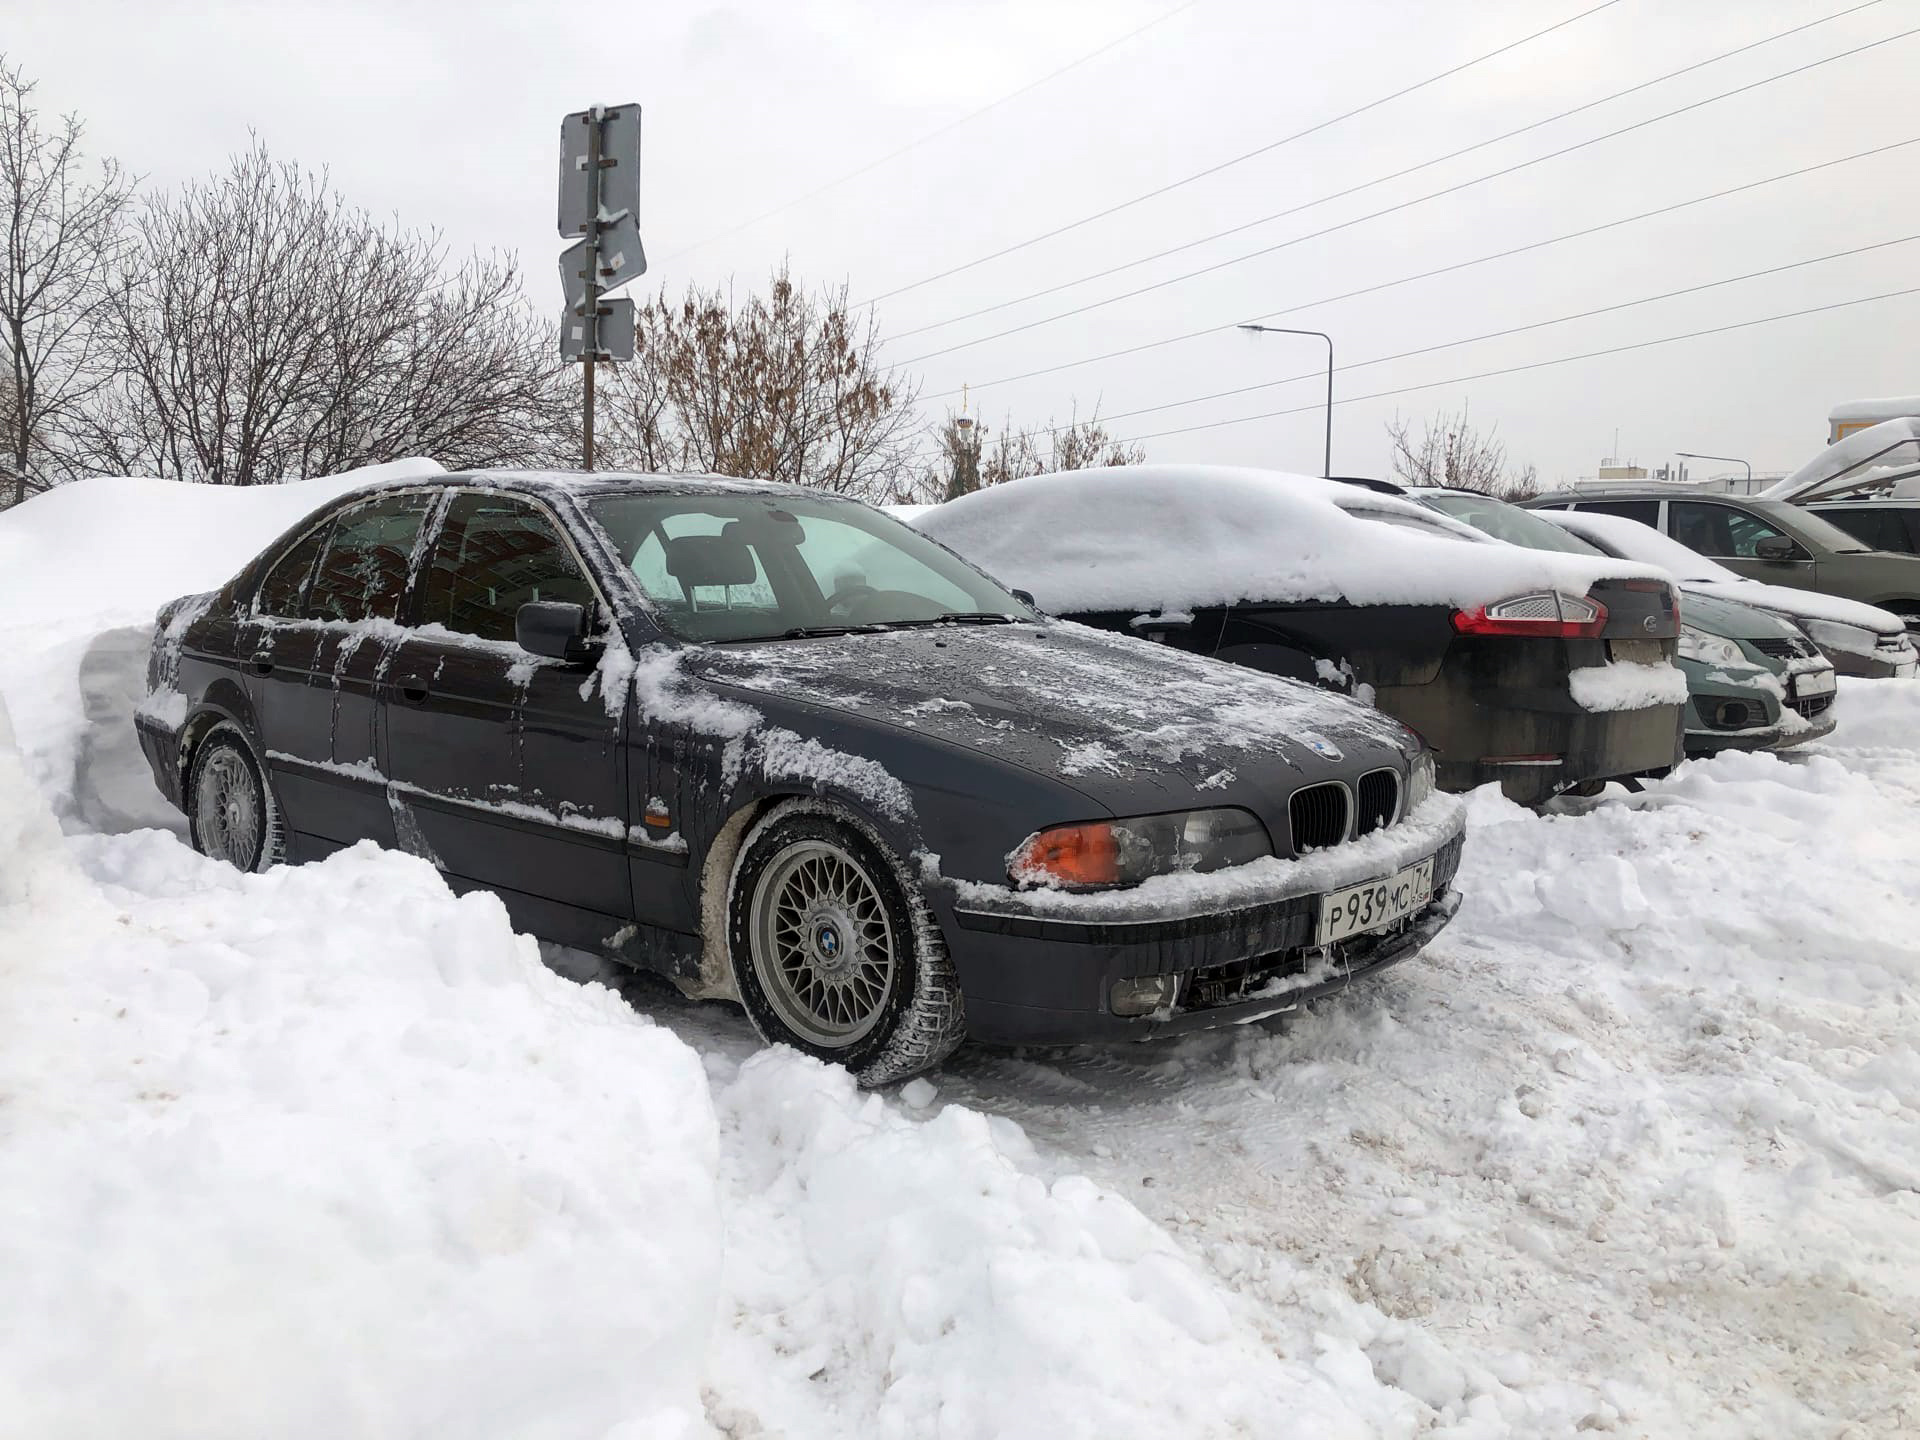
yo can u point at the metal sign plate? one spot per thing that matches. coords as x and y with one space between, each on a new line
619 180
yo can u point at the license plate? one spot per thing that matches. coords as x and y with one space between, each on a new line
1362 909
1815 682
1636 652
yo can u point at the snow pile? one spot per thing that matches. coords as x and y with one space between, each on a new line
91 557
1178 537
329 1152
1627 685
1884 408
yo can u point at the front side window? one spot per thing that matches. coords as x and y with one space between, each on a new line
760 567
496 553
1720 530
284 591
363 573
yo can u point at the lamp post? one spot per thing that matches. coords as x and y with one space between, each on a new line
1326 463
1729 459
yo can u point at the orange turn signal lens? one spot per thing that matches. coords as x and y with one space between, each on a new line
1070 855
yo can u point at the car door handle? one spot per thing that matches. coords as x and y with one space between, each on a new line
262 663
414 688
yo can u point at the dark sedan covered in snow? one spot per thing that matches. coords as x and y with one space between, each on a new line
1540 672
783 749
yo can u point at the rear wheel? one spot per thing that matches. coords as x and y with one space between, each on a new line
833 951
231 812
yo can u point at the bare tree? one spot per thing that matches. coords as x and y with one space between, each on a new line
968 462
268 330
61 224
784 385
1450 451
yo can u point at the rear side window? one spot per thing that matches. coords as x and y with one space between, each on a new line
1878 528
1647 512
494 555
284 591
363 574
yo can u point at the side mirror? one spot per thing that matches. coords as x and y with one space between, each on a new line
556 630
1776 550
1025 597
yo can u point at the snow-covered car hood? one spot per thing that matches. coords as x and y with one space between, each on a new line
1075 703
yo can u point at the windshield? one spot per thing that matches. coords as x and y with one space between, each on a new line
765 567
1509 522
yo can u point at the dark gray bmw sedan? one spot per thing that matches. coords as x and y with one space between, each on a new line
785 750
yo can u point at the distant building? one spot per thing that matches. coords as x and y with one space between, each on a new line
1852 415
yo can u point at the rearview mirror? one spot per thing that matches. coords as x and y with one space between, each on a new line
556 630
1776 549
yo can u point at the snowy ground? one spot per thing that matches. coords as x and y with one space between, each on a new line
1634 1149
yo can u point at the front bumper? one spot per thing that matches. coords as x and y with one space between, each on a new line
1035 978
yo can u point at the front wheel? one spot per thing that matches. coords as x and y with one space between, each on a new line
833 951
231 813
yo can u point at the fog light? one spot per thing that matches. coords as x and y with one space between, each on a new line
1143 994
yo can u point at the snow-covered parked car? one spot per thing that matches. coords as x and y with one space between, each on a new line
1541 672
1754 680
1859 639
784 749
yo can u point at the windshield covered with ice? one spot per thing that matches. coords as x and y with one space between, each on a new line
722 567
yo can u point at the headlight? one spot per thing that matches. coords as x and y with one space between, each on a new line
1708 649
1105 853
1419 779
1835 635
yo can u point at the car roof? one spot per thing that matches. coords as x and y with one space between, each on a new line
1631 490
587 483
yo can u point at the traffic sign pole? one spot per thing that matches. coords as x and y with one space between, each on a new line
592 277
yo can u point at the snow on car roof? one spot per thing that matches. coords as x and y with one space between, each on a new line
1635 541
1867 460
1885 408
1176 537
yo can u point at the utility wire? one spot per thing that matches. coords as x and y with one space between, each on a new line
1406 204
1378 180
1429 274
1173 185
1321 372
951 125
1535 365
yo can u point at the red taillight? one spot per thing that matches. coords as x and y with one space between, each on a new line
1548 613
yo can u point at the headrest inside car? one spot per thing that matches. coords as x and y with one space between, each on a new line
696 560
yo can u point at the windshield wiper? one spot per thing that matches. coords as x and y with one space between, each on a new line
955 617
810 632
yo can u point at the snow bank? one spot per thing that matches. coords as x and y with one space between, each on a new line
329 1152
93 556
1177 537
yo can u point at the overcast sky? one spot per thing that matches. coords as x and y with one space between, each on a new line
447 115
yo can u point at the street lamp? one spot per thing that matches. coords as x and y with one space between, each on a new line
1729 459
1326 464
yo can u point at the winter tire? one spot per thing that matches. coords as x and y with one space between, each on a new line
833 950
231 811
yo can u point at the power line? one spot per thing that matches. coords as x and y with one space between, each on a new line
1430 274
1378 180
1404 204
1535 365
1320 373
951 125
1239 159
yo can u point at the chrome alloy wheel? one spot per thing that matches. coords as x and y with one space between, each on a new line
822 946
229 817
